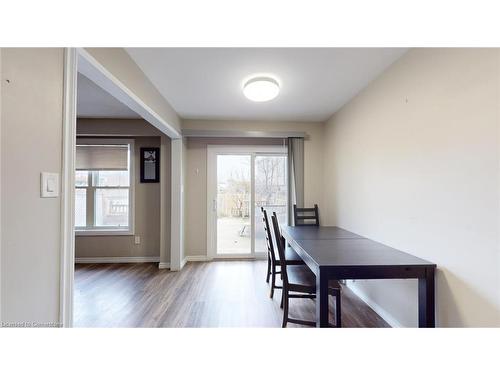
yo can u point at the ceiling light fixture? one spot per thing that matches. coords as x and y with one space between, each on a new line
261 89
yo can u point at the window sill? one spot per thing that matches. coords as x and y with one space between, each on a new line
104 232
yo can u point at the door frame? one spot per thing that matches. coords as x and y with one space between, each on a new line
212 152
67 273
79 60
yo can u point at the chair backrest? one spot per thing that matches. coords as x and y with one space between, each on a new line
280 244
268 235
306 216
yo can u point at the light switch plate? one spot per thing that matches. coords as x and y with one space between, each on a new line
49 185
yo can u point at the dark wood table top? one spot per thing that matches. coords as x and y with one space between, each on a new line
319 233
333 246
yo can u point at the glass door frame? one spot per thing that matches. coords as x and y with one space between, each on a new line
212 152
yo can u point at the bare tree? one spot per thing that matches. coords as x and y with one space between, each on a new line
238 188
270 171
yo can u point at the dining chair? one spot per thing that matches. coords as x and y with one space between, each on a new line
300 282
272 263
308 216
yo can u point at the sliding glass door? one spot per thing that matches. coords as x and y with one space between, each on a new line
270 192
240 181
233 204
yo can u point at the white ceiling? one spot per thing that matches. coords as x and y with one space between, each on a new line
92 101
206 83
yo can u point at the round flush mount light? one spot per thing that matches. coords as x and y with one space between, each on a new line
261 89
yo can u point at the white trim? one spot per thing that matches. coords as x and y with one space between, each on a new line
117 260
67 189
390 319
211 201
164 201
197 258
176 207
205 258
253 256
96 72
163 265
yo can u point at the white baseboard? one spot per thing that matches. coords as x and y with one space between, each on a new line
393 322
205 258
118 260
261 256
163 265
196 258
183 262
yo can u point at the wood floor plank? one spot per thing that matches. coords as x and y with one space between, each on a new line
203 294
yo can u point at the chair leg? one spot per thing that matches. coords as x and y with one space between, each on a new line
338 312
273 280
268 268
285 308
282 298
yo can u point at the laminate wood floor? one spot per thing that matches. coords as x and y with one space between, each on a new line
203 294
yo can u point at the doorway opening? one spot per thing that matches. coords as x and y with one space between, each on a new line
100 174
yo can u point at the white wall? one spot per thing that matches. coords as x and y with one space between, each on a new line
31 143
413 162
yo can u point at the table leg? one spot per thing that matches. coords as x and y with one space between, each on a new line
322 299
426 300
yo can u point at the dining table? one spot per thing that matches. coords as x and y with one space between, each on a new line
333 253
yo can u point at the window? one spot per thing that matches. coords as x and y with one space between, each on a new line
104 187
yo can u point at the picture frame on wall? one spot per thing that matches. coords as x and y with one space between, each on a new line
150 164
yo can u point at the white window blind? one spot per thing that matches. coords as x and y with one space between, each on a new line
102 157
